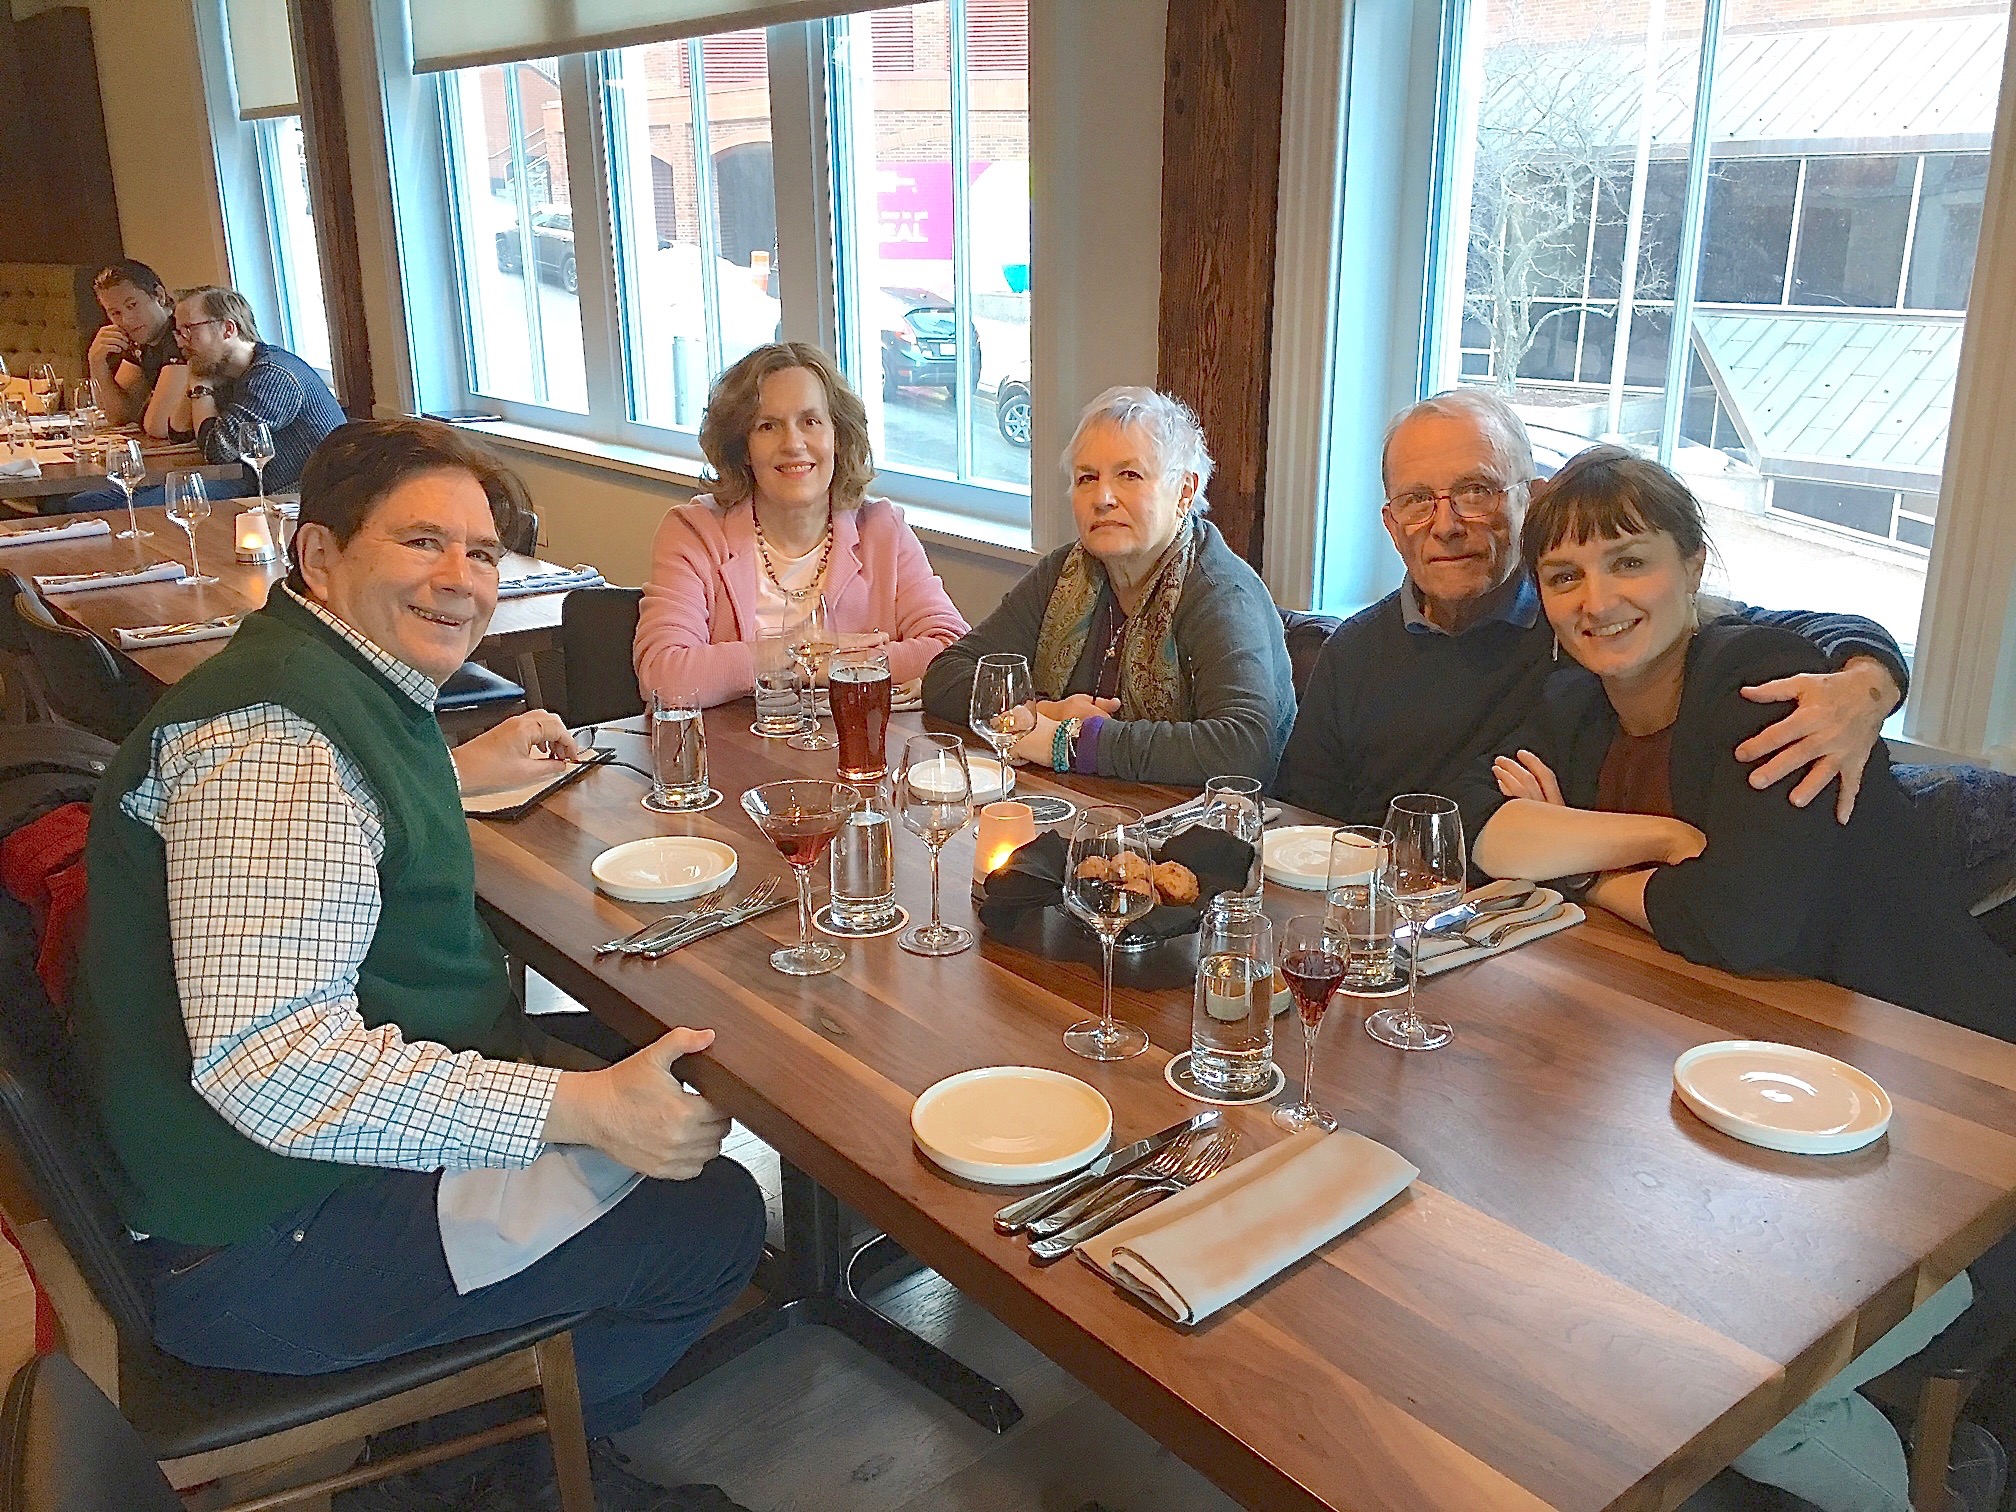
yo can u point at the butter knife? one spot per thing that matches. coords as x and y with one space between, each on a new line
714 927
1020 1214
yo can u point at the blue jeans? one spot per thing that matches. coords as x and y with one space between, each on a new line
359 1277
108 498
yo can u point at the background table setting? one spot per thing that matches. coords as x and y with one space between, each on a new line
1588 1296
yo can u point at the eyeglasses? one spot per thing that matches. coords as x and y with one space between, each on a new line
1470 501
196 325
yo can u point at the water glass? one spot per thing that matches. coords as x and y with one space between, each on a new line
1232 1015
20 434
779 687
678 754
1232 804
863 867
1359 895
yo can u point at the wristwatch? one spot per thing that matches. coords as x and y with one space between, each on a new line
201 391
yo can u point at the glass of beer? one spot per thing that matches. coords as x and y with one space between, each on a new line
1359 894
858 684
678 754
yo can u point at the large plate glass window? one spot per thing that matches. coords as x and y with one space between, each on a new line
696 215
1770 300
297 264
514 222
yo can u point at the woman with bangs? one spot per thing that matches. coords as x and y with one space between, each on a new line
1626 772
789 520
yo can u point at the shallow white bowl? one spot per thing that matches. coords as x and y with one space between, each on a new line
1011 1125
664 869
1297 855
1782 1097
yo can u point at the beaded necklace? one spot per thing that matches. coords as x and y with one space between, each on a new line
795 595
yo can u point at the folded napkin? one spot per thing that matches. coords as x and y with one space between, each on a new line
1191 1254
549 582
1034 878
72 530
1545 914
20 465
79 582
149 637
494 1223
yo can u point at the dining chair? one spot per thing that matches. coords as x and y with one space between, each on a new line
64 1448
83 681
1305 634
597 627
22 698
56 1182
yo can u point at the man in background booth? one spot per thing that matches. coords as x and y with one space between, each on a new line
134 345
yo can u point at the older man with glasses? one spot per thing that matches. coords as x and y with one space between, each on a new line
1413 693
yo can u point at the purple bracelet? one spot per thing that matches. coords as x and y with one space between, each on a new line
1085 760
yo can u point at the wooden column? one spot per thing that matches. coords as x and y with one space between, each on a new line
326 141
1221 171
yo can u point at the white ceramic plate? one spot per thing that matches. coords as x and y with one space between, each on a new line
1782 1097
989 779
1297 855
664 869
1011 1125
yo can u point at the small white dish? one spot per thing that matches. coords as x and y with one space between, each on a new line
989 778
1297 855
1782 1097
1011 1125
664 869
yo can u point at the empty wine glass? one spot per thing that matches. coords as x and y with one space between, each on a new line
809 637
255 448
801 818
1000 711
934 794
46 382
189 506
125 467
1106 883
1313 957
1429 868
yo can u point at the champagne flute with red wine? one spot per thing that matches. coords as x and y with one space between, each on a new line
801 819
1313 958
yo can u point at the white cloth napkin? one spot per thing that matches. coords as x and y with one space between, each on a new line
494 1223
150 637
549 582
82 582
20 465
1441 953
73 530
1193 1253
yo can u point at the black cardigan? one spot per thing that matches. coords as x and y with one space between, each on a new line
1781 890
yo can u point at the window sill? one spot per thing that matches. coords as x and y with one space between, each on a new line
934 525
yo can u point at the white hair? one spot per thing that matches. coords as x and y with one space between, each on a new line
1175 439
1491 414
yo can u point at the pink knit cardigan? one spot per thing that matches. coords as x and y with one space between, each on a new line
697 626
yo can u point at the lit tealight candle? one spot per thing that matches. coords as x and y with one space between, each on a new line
1004 829
255 537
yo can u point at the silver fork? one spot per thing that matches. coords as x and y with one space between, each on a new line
1209 1159
1493 937
663 921
1166 1163
758 899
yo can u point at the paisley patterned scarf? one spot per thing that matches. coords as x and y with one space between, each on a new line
1151 683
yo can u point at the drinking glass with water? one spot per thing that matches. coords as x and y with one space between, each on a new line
678 754
863 867
1232 804
1359 895
779 688
1232 1015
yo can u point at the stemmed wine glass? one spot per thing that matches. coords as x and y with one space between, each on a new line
1106 883
1428 874
125 467
1000 711
256 450
1313 957
810 639
801 818
934 794
189 506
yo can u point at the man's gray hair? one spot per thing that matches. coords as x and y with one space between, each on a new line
1488 408
1175 439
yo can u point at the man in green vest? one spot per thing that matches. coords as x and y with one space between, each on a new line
295 1020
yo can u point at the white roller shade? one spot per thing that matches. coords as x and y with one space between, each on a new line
463 33
262 58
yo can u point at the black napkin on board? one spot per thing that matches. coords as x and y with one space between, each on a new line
1033 877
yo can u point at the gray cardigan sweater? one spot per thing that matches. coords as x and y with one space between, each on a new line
1238 692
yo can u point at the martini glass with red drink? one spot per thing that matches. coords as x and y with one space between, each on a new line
801 819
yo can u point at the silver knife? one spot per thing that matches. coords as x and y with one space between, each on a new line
1020 1214
714 927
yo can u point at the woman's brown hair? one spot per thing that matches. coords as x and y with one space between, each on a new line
1607 492
737 398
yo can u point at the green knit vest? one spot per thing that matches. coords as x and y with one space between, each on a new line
433 968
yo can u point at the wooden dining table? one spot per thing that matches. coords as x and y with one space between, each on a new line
1588 1299
520 627
65 472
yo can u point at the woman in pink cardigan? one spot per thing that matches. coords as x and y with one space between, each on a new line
787 442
